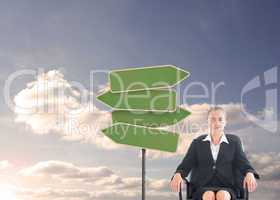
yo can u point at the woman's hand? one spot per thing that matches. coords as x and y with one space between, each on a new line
250 181
175 183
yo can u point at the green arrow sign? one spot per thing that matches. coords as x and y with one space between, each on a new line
142 137
145 100
149 119
133 79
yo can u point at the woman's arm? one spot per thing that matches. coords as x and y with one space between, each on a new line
241 161
188 162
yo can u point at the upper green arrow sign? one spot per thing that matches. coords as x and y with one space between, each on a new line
149 119
142 137
145 100
143 78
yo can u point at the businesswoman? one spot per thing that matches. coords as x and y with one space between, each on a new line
213 159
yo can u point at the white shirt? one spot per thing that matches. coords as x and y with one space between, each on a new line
215 147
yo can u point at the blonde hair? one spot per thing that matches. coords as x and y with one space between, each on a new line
215 108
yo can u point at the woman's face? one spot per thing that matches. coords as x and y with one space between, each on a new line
217 121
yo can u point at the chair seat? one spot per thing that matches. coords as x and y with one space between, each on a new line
241 195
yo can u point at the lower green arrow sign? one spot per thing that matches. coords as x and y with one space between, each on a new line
143 137
149 118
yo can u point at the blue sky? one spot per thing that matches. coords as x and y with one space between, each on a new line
222 41
217 41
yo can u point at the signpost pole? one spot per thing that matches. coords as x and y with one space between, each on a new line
143 172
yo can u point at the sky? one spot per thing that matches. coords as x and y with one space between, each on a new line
231 49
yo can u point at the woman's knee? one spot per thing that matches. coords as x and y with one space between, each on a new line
223 195
208 195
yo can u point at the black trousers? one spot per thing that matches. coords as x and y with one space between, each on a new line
215 184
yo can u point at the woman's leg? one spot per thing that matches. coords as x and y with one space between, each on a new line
208 195
223 195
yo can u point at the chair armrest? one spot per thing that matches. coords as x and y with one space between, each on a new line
246 193
180 190
188 189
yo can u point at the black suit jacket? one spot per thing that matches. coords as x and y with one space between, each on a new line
231 165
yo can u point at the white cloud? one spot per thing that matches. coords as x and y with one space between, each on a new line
65 180
267 164
51 104
64 170
5 164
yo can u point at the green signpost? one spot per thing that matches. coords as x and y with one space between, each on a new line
142 137
143 78
143 101
149 119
